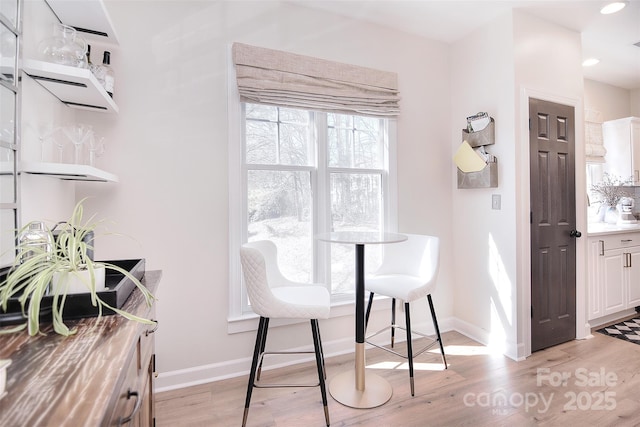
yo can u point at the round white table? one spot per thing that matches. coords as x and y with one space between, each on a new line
358 388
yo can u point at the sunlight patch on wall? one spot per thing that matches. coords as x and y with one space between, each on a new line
501 299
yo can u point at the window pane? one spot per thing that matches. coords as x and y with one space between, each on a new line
290 115
278 136
356 205
355 202
262 142
355 142
261 112
280 209
294 145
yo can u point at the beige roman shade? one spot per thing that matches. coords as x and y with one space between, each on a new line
274 77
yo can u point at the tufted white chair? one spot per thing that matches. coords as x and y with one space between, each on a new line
273 296
408 272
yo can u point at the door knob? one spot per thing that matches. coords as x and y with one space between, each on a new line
575 233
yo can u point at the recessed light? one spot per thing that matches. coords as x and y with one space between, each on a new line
590 62
613 7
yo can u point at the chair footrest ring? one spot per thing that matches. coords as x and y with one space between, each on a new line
415 353
258 384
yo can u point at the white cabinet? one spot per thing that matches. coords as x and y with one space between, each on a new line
613 282
621 138
594 287
613 274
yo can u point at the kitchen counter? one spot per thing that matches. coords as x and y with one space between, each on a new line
600 228
82 379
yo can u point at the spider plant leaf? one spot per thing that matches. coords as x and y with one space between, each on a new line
13 329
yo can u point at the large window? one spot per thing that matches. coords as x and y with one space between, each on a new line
308 172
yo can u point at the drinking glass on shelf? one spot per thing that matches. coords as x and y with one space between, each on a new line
96 148
78 134
60 143
46 132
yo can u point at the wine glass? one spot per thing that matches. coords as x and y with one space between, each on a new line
78 134
46 132
96 148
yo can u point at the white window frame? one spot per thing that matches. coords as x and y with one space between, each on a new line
240 318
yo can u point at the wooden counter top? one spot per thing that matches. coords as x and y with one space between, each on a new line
71 381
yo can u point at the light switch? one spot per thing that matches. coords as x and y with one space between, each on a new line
495 201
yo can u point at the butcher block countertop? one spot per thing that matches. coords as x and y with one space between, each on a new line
71 381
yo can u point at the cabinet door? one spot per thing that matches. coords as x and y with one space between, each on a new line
617 141
614 295
594 283
632 273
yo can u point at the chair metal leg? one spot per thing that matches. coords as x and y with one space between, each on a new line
324 370
409 346
366 317
435 325
317 344
261 337
263 340
393 321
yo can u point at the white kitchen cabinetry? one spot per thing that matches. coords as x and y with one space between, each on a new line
621 138
75 87
613 273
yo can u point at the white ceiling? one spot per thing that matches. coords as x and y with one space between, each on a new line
609 38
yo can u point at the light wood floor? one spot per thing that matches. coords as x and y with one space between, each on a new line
602 388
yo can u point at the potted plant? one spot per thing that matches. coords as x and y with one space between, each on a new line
610 190
41 271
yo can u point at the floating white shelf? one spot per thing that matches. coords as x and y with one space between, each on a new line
76 87
69 172
89 17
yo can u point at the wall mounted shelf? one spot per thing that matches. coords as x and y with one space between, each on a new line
487 177
75 87
88 17
66 171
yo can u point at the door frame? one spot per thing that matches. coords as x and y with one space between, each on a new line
523 227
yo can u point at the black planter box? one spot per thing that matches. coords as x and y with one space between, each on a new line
118 289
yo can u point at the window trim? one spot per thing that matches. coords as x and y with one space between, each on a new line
239 321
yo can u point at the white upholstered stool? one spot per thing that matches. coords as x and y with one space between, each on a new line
408 272
273 296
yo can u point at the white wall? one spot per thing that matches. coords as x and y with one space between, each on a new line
168 145
611 101
635 103
495 69
483 80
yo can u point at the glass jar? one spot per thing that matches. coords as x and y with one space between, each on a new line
65 47
35 240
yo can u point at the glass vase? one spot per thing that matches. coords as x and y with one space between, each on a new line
64 48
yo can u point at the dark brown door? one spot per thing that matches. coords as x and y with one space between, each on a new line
553 221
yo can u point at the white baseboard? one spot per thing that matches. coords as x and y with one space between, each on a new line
611 318
505 346
239 367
